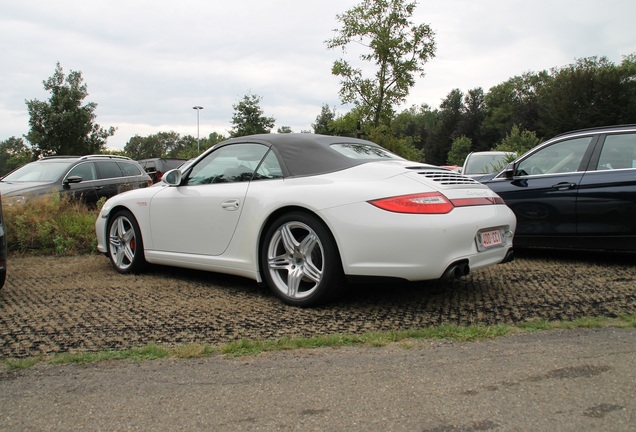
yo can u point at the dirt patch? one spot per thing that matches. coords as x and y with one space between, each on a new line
52 305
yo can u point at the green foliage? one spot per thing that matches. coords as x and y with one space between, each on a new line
248 118
324 121
284 130
63 126
169 145
55 225
13 154
459 150
416 123
401 146
346 125
396 47
518 141
591 92
407 339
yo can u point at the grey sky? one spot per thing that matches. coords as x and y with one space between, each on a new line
146 63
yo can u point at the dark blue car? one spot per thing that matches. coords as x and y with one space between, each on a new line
575 191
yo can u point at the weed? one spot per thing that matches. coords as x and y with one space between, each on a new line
53 224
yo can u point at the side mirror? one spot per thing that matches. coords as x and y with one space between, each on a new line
73 179
172 177
509 171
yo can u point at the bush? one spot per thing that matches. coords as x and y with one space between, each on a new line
54 224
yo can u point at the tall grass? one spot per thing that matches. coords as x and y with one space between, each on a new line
52 225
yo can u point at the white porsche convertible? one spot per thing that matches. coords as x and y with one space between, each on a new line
306 213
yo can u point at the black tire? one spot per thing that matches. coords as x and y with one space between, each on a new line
125 245
300 260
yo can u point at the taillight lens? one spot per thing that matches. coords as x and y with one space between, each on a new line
431 203
426 203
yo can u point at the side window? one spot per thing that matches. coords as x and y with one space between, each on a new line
619 152
561 157
231 163
108 169
84 170
129 169
269 168
150 167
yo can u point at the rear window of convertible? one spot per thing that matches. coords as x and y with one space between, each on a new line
363 151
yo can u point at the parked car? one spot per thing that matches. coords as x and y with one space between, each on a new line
454 168
157 167
575 191
3 248
84 177
300 211
478 164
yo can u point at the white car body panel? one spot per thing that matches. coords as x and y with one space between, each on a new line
220 229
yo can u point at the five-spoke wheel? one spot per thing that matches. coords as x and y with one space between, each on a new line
300 260
125 247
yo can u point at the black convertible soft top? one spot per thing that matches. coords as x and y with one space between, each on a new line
306 154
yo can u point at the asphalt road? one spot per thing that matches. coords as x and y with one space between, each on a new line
573 380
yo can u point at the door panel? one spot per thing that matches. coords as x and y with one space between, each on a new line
201 215
607 194
543 189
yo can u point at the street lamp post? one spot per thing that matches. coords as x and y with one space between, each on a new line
198 108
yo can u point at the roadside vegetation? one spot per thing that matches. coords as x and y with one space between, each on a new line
405 339
53 225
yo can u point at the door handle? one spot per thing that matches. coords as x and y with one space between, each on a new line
230 205
564 186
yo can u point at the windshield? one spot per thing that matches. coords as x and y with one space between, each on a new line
485 163
38 172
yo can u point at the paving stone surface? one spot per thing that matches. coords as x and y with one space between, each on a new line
80 304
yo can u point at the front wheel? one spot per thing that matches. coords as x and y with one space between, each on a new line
125 246
300 260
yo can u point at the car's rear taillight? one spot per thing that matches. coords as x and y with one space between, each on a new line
430 203
426 203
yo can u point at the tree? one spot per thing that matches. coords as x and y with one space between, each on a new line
417 123
401 146
63 126
472 117
324 121
13 154
518 141
248 118
153 146
284 130
446 130
591 92
460 148
513 102
396 46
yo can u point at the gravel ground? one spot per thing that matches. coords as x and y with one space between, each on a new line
53 305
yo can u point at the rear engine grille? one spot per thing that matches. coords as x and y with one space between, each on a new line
447 178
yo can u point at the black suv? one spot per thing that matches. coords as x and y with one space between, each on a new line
157 167
3 248
88 178
575 191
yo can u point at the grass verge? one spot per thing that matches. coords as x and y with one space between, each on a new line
404 338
